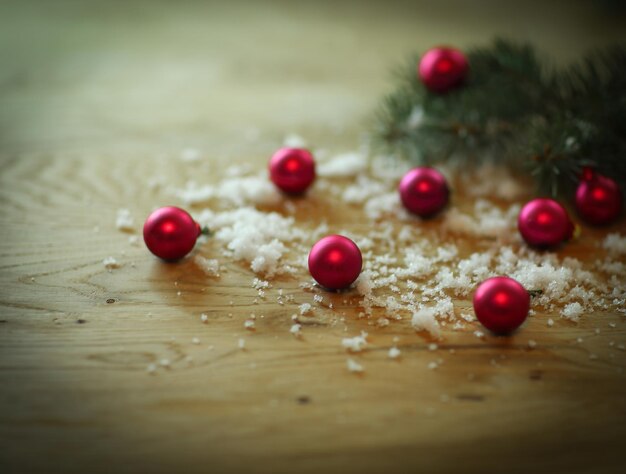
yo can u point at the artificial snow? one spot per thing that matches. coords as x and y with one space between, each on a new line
342 166
355 344
615 244
354 366
210 266
296 330
572 311
412 268
124 221
393 353
110 263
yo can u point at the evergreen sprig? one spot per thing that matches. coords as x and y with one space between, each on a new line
517 110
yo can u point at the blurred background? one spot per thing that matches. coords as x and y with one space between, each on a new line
235 77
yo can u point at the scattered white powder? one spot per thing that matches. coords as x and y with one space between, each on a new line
479 334
190 155
355 344
124 220
151 369
532 344
491 181
260 238
344 165
133 240
354 366
382 322
258 284
424 320
165 362
550 322
433 347
296 330
204 318
412 268
394 353
110 263
195 340
432 365
210 266
294 140
241 343
249 324
615 244
572 311
237 191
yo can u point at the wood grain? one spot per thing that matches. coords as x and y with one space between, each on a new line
76 339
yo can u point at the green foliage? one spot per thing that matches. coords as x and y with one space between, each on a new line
516 110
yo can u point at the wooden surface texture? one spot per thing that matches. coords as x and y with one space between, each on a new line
96 99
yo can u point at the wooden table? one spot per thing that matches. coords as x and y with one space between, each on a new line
98 99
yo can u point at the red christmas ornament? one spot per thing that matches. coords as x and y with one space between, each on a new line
442 69
424 191
170 233
335 262
501 304
292 170
544 222
598 198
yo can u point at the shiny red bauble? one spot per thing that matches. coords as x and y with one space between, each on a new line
442 69
544 223
501 304
170 233
335 262
598 198
424 191
292 170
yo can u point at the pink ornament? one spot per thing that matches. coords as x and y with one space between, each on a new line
442 69
544 222
335 262
170 233
501 304
292 170
424 191
598 198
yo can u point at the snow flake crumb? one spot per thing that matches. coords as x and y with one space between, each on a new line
296 330
124 220
394 352
110 263
210 266
572 311
354 366
355 344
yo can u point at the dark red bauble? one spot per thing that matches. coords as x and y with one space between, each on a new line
335 262
501 304
598 198
170 233
424 191
544 222
292 170
442 69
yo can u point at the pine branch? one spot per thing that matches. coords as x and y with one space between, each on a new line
516 110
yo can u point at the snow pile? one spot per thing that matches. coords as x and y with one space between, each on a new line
236 191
